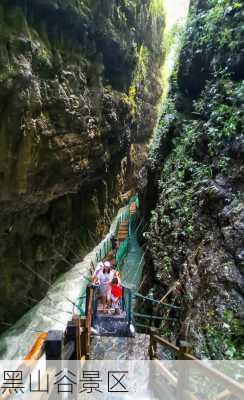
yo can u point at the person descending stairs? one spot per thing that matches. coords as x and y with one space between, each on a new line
110 321
108 311
114 320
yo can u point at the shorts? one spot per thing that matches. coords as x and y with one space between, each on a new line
103 290
115 301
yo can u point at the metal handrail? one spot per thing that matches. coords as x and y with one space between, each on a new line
147 316
106 246
156 301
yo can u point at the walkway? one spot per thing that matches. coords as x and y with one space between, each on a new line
132 268
115 348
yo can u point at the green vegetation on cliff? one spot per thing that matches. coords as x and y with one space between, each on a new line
196 233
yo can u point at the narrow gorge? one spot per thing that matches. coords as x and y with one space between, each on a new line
104 99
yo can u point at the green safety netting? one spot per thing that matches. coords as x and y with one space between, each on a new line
129 257
104 250
130 263
124 248
133 263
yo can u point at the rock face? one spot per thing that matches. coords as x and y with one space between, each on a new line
195 185
71 101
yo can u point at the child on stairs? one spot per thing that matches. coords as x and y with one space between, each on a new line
116 294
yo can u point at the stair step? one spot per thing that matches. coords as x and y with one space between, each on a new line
120 348
111 317
111 326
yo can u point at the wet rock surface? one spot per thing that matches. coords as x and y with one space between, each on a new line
66 130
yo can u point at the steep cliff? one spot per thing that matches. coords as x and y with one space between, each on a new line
72 100
195 186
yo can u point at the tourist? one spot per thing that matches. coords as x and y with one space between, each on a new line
118 276
116 294
105 276
98 269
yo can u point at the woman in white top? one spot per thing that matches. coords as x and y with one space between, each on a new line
104 277
98 269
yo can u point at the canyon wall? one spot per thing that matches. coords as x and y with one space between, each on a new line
78 80
194 185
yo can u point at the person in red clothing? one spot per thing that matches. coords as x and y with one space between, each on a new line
116 294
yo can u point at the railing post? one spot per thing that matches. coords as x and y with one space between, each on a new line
85 339
77 323
89 304
129 306
150 350
54 345
152 345
183 369
152 356
123 298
